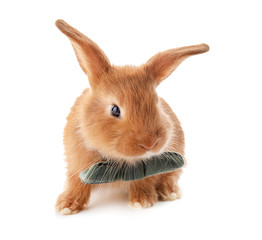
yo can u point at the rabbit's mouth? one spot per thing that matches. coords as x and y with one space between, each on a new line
143 157
136 152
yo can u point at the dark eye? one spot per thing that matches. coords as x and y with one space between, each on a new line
115 111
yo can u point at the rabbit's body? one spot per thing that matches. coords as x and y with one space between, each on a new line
121 117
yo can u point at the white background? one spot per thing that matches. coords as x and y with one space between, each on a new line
217 97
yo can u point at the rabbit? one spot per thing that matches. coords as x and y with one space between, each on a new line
121 117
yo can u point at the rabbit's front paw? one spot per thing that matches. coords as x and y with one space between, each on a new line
67 206
142 193
143 201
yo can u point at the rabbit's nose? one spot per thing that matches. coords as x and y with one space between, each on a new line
148 145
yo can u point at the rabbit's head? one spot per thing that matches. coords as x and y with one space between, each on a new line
121 115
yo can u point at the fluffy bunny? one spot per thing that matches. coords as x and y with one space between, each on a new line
121 117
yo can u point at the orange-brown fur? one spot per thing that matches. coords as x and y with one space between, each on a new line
147 122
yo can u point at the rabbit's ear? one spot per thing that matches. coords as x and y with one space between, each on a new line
161 65
91 58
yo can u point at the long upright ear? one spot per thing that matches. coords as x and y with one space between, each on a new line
161 65
91 58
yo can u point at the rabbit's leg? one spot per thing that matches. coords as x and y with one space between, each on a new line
167 188
73 199
142 193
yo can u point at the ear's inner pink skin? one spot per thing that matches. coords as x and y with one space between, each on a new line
147 125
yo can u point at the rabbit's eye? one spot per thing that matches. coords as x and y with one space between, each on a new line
115 111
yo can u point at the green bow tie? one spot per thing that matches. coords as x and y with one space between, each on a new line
112 171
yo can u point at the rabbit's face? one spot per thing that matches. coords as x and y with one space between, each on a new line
123 117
